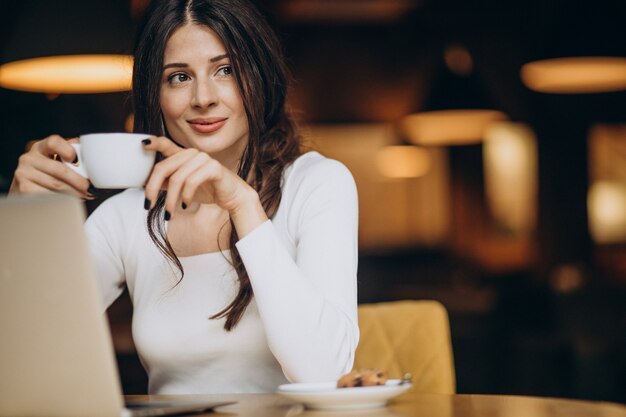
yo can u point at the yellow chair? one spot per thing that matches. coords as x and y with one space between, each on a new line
408 336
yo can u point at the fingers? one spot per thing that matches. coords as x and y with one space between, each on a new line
29 188
39 182
55 145
60 177
52 175
183 174
163 145
180 180
162 171
36 171
208 174
159 177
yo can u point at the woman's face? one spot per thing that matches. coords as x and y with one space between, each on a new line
200 101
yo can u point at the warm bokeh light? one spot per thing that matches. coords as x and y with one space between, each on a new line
458 59
70 74
510 163
449 127
576 75
606 203
606 198
393 212
129 123
402 161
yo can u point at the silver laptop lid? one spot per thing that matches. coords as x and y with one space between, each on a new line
56 355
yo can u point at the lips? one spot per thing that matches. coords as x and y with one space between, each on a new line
207 124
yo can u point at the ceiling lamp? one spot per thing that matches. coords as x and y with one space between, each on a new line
69 74
511 175
402 161
606 203
575 75
448 127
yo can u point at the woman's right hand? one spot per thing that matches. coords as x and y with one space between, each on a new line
41 170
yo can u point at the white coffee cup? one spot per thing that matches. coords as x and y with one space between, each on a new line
114 160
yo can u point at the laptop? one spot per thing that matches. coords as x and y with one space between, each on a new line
56 352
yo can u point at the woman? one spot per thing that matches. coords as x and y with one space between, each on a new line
243 271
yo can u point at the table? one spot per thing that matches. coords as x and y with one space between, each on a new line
414 405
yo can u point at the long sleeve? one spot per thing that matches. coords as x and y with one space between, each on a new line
307 297
107 230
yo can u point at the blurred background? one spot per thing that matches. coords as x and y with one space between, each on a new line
482 183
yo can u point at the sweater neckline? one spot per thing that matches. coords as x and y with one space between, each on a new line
206 254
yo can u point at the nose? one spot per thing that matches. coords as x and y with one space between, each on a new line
204 94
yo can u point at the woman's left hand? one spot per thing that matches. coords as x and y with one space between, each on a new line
190 175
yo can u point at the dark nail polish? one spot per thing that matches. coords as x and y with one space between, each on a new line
168 216
92 190
75 161
146 204
146 141
184 206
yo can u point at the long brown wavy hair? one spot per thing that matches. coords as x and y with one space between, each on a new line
261 74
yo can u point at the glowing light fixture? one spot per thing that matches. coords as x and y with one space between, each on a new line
511 172
458 59
69 74
449 127
606 203
575 75
129 123
402 161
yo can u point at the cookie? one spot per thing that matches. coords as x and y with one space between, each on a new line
362 378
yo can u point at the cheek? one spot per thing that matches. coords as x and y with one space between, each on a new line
173 105
236 105
232 98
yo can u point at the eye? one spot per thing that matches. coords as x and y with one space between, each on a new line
177 78
225 71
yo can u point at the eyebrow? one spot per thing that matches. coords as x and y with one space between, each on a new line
218 58
183 65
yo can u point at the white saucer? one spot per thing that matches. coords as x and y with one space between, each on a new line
326 395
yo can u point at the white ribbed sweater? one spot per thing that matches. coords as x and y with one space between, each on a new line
302 323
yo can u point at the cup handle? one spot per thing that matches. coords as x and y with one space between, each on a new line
79 167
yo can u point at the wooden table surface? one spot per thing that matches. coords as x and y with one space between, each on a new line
415 405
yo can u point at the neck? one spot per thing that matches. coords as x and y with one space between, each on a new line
231 158
232 161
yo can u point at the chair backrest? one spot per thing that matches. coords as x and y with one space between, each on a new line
408 336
